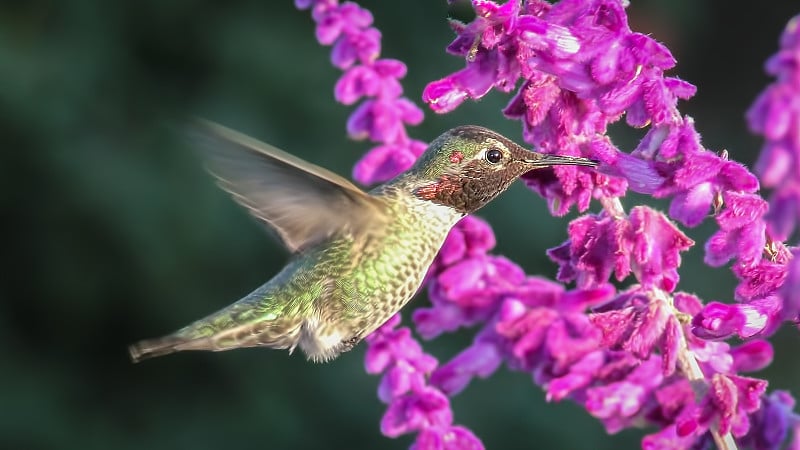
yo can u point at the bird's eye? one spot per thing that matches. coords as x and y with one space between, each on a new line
494 155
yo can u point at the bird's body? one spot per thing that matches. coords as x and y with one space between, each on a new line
359 257
329 297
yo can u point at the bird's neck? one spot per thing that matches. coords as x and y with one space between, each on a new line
408 196
462 194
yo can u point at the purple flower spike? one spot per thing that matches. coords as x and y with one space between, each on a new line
383 116
414 405
629 358
791 290
776 115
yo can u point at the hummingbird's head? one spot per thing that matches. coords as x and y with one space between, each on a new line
468 166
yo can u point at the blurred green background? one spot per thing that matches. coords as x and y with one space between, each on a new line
113 232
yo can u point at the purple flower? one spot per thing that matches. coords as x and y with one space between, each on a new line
480 359
335 21
760 279
425 408
741 233
596 248
388 345
579 376
721 321
670 399
618 402
384 162
380 79
383 120
647 244
466 293
475 81
693 176
470 237
752 356
636 328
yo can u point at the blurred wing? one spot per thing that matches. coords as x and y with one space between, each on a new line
305 204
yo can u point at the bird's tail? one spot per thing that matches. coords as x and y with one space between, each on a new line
250 322
218 333
150 348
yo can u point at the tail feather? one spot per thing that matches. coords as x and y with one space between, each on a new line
281 334
150 348
246 323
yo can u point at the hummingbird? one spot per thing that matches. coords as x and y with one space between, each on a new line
357 257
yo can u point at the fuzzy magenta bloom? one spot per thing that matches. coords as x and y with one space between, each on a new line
741 233
647 243
582 69
745 320
776 115
383 116
648 354
414 405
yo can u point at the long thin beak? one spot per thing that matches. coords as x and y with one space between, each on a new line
543 160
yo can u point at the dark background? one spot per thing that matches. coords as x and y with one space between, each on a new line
112 231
